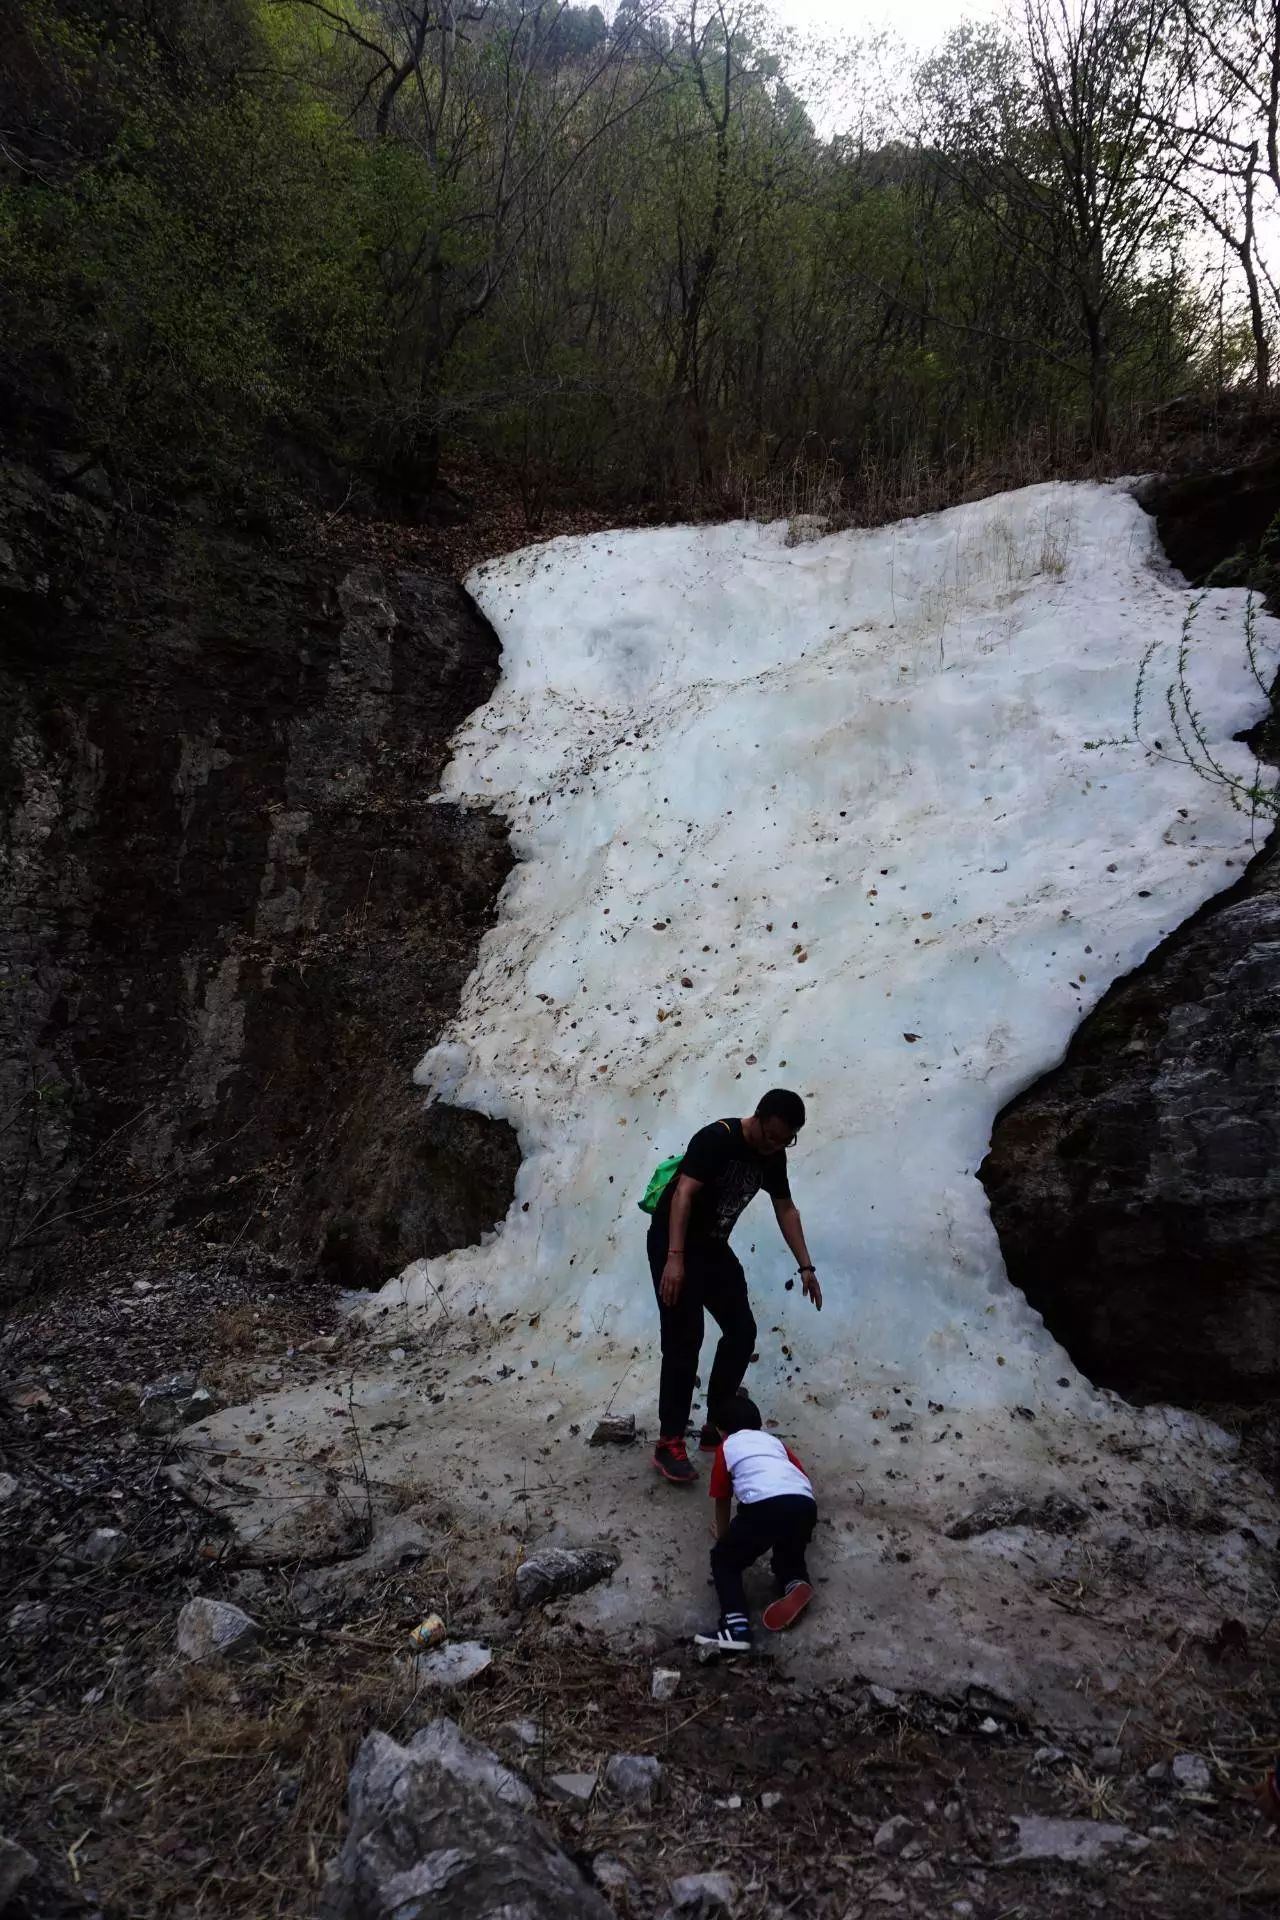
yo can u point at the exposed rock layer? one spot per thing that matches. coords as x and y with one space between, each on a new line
231 918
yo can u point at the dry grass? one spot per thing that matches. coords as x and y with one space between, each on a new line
218 1792
222 1792
236 1329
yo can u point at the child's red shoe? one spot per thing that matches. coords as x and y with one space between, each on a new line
780 1614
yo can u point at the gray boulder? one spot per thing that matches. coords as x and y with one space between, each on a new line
468 1761
214 1630
553 1570
440 1831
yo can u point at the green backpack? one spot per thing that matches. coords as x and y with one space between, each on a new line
663 1174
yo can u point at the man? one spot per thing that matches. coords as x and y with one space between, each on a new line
724 1166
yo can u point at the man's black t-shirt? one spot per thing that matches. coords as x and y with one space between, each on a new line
731 1175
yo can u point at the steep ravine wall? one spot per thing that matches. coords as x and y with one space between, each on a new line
1136 1187
230 918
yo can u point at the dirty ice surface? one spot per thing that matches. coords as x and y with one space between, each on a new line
825 816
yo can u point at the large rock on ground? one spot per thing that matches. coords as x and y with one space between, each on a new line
441 1829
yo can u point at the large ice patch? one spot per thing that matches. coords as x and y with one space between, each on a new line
824 816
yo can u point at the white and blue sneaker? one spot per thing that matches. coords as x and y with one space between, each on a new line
733 1635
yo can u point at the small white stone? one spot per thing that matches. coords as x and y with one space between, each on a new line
883 1697
451 1666
575 1789
101 1547
768 1801
664 1683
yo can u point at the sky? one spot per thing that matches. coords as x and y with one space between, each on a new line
922 23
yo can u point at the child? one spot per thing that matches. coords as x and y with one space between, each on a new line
776 1510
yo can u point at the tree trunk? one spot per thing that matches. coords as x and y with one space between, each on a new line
1099 381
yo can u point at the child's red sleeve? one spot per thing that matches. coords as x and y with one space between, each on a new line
794 1461
721 1487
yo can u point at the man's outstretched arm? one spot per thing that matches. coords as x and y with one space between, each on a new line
788 1219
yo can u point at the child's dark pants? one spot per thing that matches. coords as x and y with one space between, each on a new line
784 1524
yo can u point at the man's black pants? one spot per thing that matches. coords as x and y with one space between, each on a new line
714 1281
784 1524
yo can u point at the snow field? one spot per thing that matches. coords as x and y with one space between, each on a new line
820 816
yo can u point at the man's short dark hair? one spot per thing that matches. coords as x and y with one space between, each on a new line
781 1104
739 1415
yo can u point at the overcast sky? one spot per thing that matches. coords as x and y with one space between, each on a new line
922 22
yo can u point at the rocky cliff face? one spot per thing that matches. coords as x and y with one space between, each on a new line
230 918
1136 1189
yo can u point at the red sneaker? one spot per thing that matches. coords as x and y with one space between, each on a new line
673 1463
709 1438
781 1613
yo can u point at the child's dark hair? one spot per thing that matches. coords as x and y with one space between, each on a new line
739 1415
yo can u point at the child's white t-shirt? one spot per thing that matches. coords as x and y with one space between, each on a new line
756 1466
